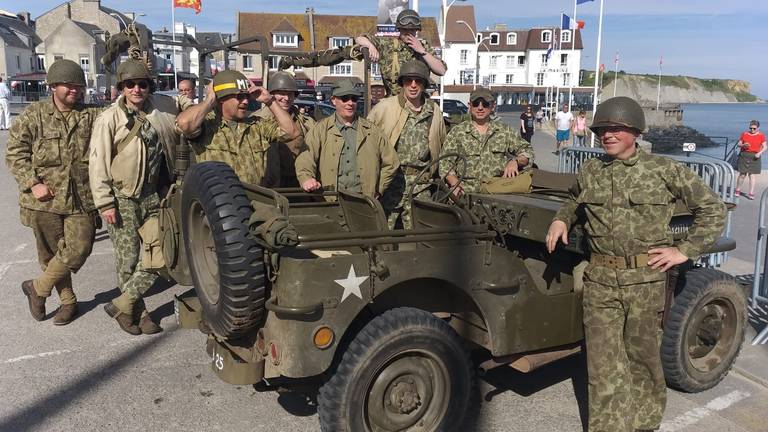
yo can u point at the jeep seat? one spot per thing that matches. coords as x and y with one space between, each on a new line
362 213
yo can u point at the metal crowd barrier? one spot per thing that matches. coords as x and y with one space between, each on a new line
759 282
719 175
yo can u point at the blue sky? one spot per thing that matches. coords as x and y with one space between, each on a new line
702 38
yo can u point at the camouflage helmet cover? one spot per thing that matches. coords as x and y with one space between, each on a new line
282 81
416 69
619 111
65 71
132 69
408 19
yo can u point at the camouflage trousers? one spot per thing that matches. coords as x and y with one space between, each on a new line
622 326
395 201
132 280
65 239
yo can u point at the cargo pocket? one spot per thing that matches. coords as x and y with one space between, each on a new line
45 151
595 204
652 213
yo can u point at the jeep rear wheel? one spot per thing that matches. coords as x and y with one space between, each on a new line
405 370
704 331
226 264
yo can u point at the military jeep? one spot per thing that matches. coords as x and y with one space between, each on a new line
385 317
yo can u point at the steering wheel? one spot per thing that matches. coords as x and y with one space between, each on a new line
457 165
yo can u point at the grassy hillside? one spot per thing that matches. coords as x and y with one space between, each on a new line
739 89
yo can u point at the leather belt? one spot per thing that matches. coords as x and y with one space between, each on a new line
619 262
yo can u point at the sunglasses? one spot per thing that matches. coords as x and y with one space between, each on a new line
753 128
347 98
143 84
476 103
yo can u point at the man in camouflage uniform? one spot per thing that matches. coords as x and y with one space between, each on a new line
345 151
491 147
628 197
283 87
221 128
132 148
48 155
414 127
392 53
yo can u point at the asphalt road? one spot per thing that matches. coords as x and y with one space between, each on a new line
90 375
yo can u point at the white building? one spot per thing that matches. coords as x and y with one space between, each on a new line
185 58
516 64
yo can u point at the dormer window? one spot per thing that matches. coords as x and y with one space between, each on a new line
511 38
546 36
566 36
290 40
340 42
494 38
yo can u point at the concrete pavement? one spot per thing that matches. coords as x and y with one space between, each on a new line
89 375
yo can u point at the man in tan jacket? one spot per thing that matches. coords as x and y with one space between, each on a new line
414 127
345 151
132 148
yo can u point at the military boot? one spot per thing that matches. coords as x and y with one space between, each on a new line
65 314
36 302
146 324
124 320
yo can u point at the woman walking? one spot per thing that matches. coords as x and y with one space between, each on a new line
752 144
526 124
580 129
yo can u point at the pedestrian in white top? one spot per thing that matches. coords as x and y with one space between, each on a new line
5 108
563 124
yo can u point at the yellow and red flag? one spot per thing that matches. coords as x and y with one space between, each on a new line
197 5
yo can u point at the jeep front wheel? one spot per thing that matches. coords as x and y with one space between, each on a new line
226 263
704 331
405 370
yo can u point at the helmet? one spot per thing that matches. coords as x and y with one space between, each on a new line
619 111
229 82
414 68
133 69
282 81
65 71
408 19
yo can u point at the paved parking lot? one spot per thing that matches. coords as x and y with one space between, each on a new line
92 376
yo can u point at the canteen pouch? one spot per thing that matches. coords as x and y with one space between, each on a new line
151 250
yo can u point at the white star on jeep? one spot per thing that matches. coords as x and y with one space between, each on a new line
351 284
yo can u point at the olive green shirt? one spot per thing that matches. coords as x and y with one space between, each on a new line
349 179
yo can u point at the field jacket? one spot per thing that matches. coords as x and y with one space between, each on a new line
123 172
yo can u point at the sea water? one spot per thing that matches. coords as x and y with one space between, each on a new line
725 120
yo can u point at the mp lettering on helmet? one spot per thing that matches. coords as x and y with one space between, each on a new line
242 84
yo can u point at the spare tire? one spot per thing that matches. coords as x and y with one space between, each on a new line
704 330
226 264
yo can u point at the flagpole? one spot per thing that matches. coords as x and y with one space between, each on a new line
597 66
559 47
616 73
658 86
573 45
173 31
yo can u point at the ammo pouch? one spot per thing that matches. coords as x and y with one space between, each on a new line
151 250
502 185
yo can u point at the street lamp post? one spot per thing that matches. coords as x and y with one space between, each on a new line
442 44
478 42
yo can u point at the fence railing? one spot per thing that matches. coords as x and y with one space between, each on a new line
759 281
717 174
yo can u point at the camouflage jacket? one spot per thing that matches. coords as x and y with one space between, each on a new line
377 161
249 147
393 53
487 154
48 146
628 206
290 149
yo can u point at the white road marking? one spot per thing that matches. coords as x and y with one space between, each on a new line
60 352
4 269
19 248
695 415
